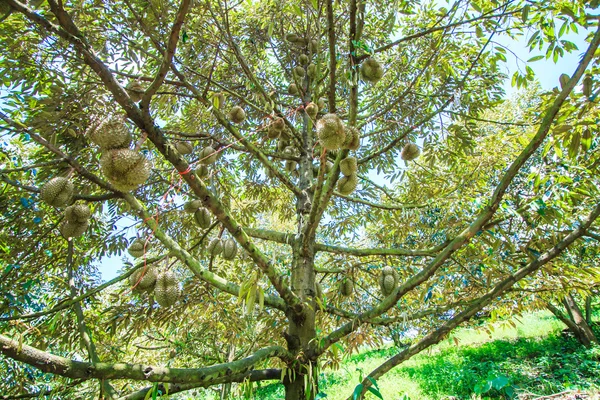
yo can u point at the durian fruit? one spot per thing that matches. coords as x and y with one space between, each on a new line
321 104
136 248
215 247
278 124
291 37
311 70
272 132
312 110
347 184
346 286
330 130
352 141
349 166
166 290
125 169
73 229
202 171
112 133
218 100
237 115
135 90
388 280
313 44
78 213
293 89
410 152
229 249
208 155
192 205
143 280
203 217
57 191
184 147
371 70
290 165
299 72
303 59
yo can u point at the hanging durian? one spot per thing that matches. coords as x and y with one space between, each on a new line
237 115
349 166
207 155
166 290
229 249
330 130
371 70
112 133
410 152
57 191
388 280
347 184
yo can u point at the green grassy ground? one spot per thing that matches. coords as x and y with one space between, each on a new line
533 357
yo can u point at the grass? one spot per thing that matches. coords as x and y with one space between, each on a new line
535 358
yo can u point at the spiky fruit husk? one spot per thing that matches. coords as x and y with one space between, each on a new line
387 270
203 217
202 171
282 144
111 134
410 152
78 213
192 206
303 59
291 37
208 155
166 290
346 287
312 110
311 70
143 280
125 169
299 72
57 191
371 70
330 130
135 91
215 247
136 248
313 45
278 124
72 229
349 166
290 165
387 284
272 132
229 249
237 115
293 89
352 141
347 184
184 147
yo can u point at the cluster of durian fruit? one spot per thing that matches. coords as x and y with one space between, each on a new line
58 192
388 281
125 169
226 248
163 284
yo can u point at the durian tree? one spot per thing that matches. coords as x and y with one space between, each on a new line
289 171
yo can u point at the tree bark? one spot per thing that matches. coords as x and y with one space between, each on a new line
574 320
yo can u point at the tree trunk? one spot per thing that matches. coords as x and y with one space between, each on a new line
575 321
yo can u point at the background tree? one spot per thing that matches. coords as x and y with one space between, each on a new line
265 120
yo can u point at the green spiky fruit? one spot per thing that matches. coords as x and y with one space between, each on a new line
202 171
192 206
321 104
57 191
312 110
352 141
371 70
69 229
184 147
291 37
272 132
229 249
387 270
311 70
215 247
293 89
410 152
125 169
138 248
78 213
347 184
208 155
389 284
290 165
237 115
278 124
346 287
143 279
299 72
313 45
135 91
203 217
330 130
303 59
349 166
166 290
111 134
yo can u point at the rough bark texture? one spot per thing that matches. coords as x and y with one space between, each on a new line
574 320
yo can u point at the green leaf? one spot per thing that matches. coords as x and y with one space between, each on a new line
373 382
357 391
536 58
499 382
375 392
